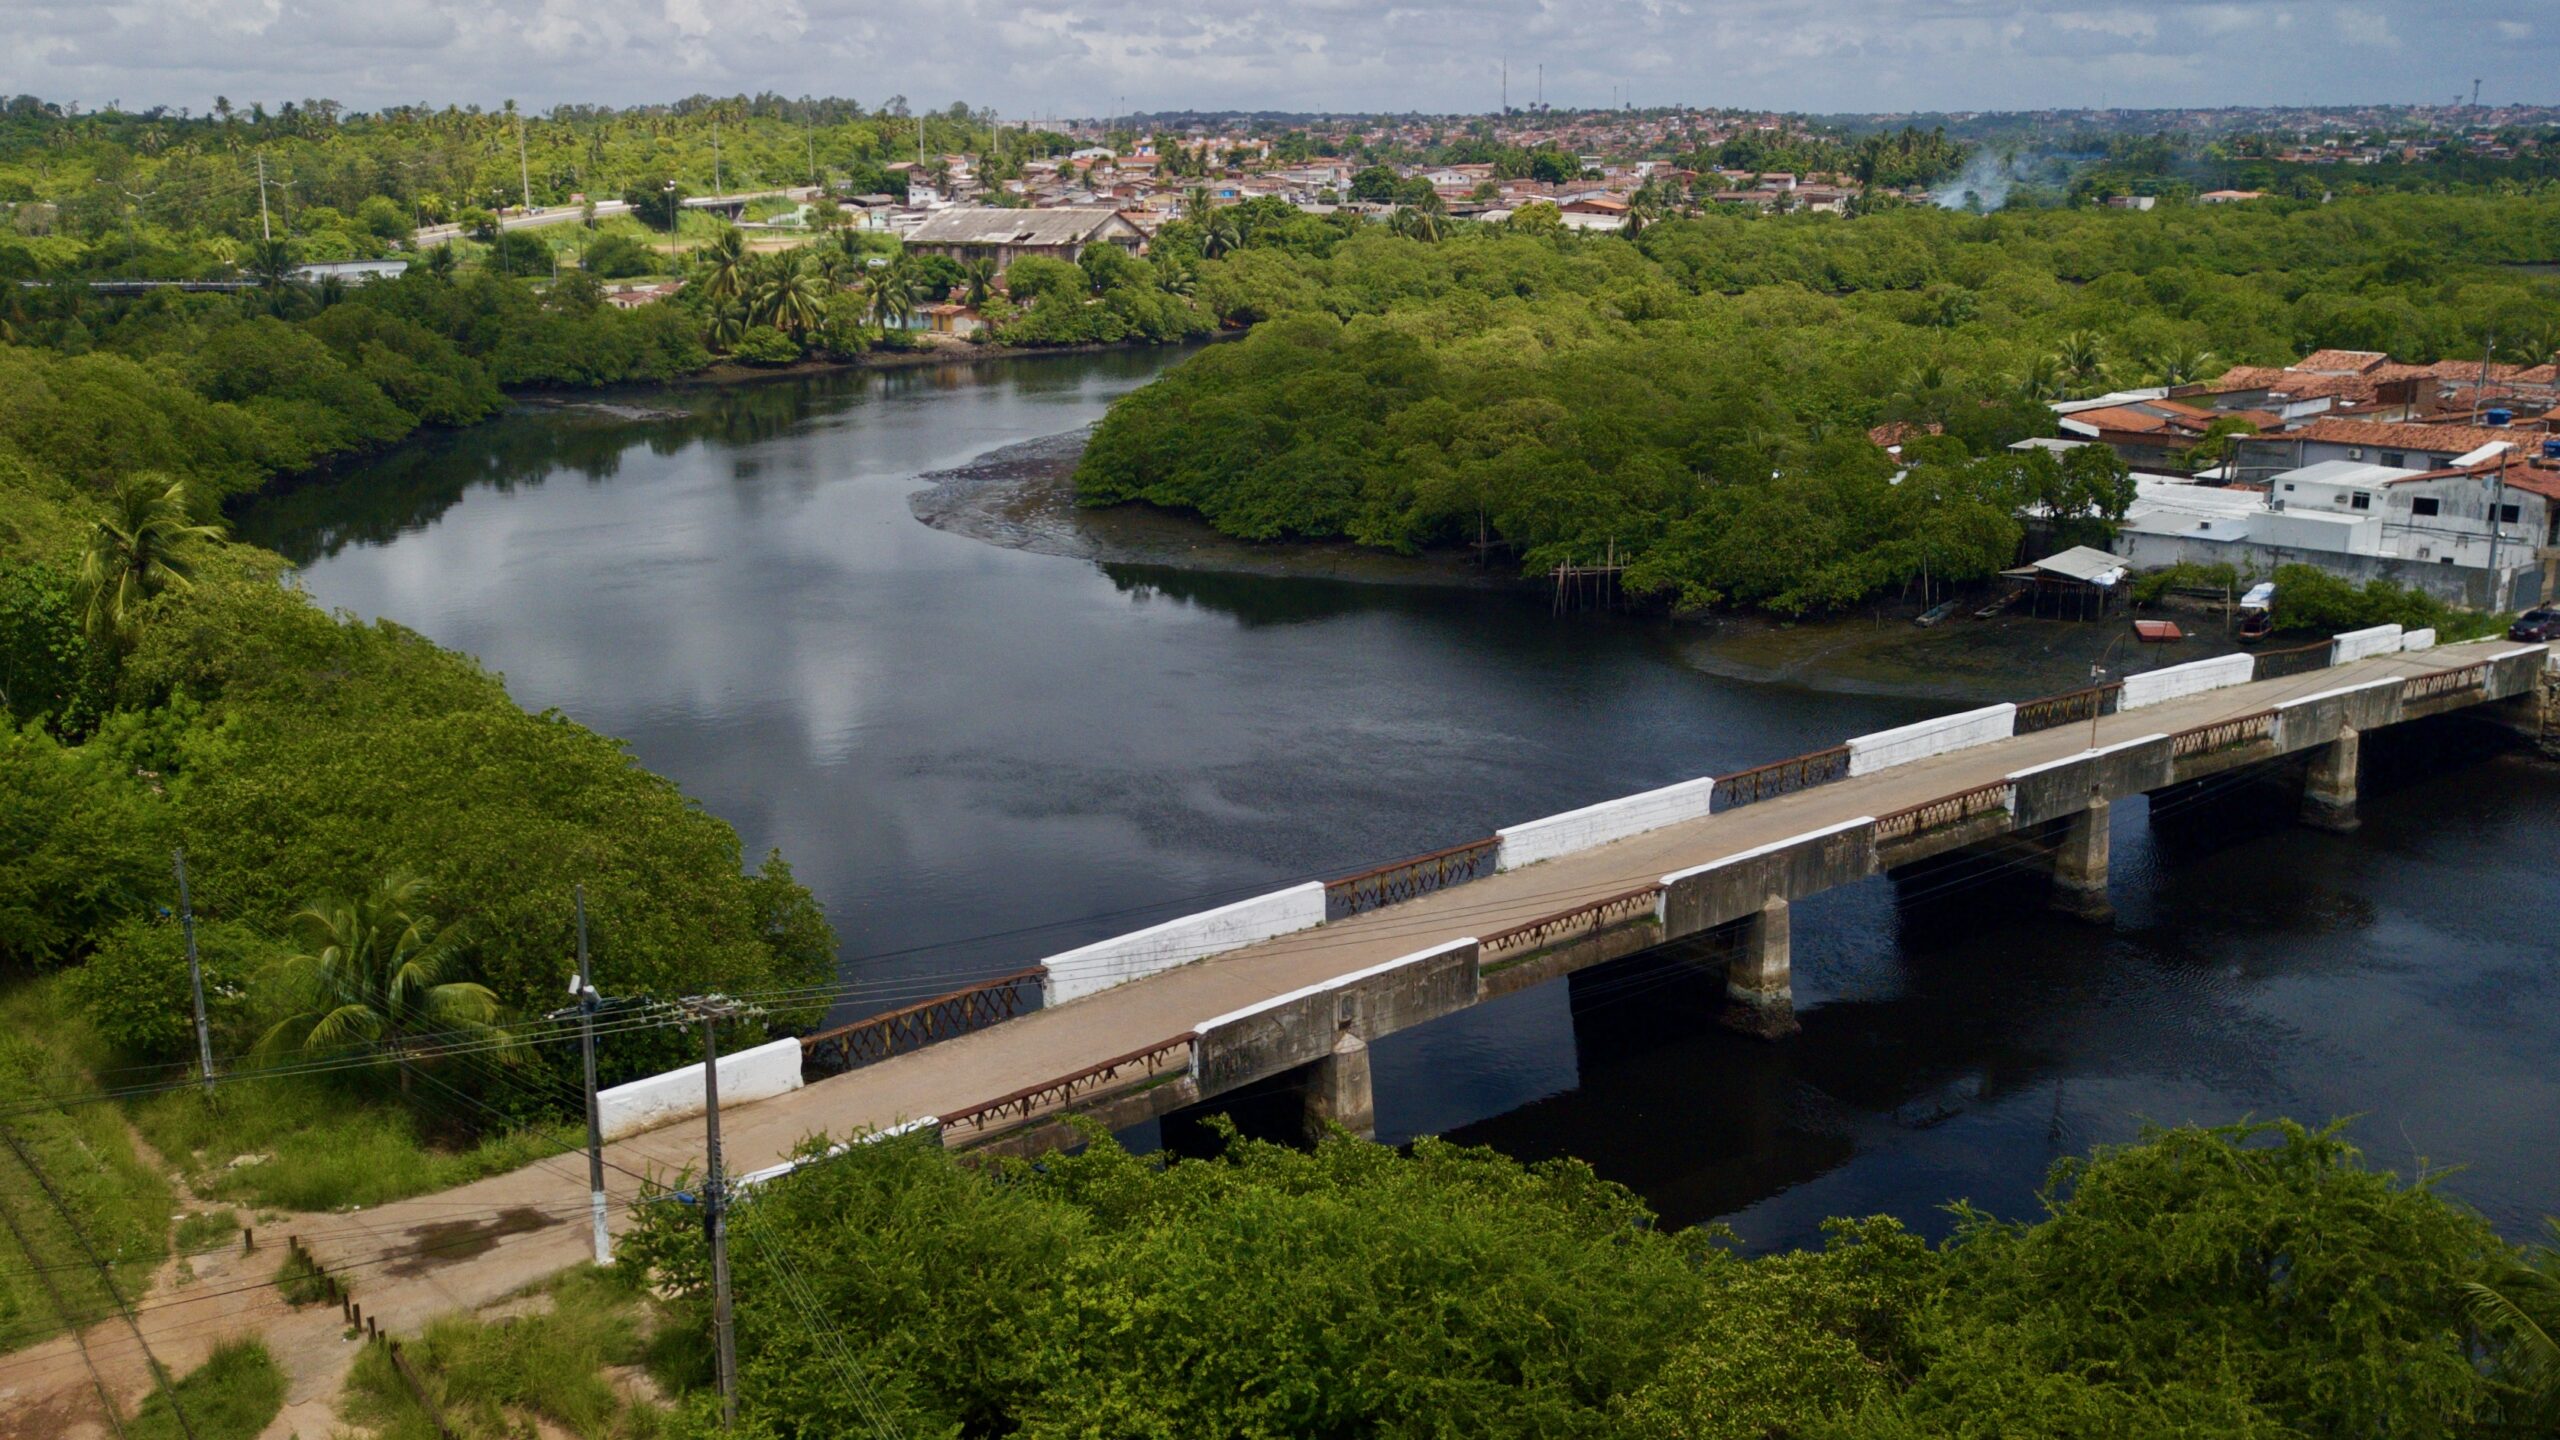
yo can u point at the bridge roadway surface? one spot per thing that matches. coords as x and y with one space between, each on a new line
412 1260
966 1071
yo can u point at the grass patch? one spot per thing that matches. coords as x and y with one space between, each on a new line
120 1203
300 1282
311 1145
489 1377
206 1230
231 1396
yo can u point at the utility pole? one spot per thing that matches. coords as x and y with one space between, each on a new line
195 971
586 991
524 170
711 1010
715 154
266 231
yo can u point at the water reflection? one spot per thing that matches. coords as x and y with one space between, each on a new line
978 756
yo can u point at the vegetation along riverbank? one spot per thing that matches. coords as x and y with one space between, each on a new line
390 867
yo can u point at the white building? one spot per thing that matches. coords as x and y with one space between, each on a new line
2483 531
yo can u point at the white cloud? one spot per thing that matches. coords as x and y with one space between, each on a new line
1079 57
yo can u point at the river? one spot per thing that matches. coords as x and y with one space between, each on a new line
977 755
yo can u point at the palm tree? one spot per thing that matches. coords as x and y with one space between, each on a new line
1220 234
378 977
893 293
2180 365
2040 382
2522 1311
978 273
2082 358
792 298
271 263
721 267
139 548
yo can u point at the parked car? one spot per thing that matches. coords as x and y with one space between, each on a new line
2540 623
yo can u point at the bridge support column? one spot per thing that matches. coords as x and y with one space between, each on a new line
1758 984
2329 791
1337 1090
2080 865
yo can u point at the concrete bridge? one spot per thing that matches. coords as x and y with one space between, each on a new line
1293 986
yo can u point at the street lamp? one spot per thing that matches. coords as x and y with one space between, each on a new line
2098 677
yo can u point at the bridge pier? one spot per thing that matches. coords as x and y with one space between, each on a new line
1337 1092
1759 982
2080 865
2329 790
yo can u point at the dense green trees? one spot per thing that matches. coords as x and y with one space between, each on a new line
1698 399
2245 1282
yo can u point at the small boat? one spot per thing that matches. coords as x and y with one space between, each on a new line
2158 632
1936 613
2257 614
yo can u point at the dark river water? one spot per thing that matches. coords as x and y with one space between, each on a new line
976 756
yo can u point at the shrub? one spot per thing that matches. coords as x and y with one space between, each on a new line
134 990
764 345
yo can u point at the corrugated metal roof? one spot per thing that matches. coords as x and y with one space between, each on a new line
991 225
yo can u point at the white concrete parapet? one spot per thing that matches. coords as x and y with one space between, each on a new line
758 1074
771 1173
2357 644
1338 982
2151 687
2084 757
2419 639
1594 825
1901 746
1093 968
1757 851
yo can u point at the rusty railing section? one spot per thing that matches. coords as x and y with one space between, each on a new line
1056 1095
1521 941
877 1037
2222 735
1944 811
2299 660
2444 682
1779 777
1402 880
2069 707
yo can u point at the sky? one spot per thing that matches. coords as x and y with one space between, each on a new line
1039 58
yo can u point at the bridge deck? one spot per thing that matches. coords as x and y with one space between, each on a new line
956 1074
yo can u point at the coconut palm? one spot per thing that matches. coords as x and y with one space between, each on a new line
378 977
792 298
2521 1311
978 274
142 546
2180 365
2041 382
721 267
893 292
2082 358
1220 233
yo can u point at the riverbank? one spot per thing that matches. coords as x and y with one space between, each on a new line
1022 497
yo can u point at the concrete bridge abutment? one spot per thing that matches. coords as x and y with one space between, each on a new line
2329 787
1759 982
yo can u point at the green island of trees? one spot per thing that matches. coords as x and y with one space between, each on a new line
1698 400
